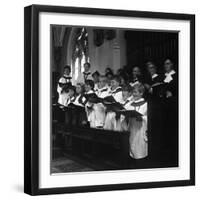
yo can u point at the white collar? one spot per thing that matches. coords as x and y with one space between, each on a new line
170 73
89 92
86 73
103 88
66 75
154 76
78 95
129 98
139 100
115 89
133 83
168 77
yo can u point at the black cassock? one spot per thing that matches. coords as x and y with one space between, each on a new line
163 124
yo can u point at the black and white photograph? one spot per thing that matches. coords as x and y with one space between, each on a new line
109 100
114 99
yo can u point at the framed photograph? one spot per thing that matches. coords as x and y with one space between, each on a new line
109 99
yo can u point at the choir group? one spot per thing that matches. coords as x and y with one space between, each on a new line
116 102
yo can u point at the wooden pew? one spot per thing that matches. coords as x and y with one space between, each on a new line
98 144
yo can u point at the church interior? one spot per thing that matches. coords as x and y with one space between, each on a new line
78 149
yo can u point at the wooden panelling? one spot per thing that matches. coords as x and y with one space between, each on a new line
151 46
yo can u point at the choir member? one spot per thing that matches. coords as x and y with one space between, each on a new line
108 70
103 89
71 95
138 126
127 93
136 76
79 117
62 90
119 72
67 74
68 113
89 87
87 74
170 78
79 99
95 77
170 113
64 81
116 93
98 109
61 83
109 76
115 89
95 111
153 78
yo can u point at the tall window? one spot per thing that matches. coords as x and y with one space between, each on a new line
80 52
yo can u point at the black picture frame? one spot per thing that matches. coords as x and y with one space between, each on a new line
31 98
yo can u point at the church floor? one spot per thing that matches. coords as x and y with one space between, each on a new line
64 164
67 162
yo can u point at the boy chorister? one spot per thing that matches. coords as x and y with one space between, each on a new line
71 95
62 91
121 124
95 111
79 99
86 75
64 81
78 116
70 99
103 90
66 75
115 89
99 108
89 89
138 127
116 92
95 77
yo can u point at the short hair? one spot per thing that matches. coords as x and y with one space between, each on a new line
90 83
139 87
136 66
171 61
67 67
151 63
116 78
87 63
109 70
127 88
66 87
96 73
120 71
71 87
109 73
81 85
